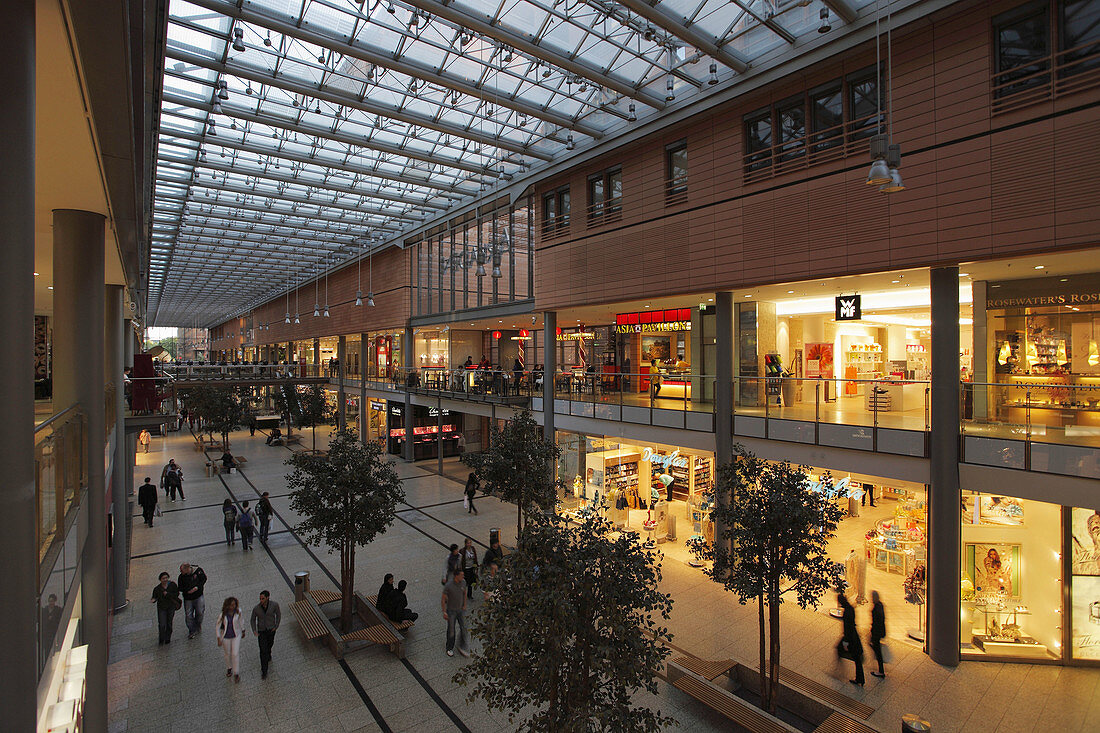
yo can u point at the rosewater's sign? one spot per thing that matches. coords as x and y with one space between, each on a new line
1043 291
666 461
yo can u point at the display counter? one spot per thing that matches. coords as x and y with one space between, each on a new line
894 396
675 388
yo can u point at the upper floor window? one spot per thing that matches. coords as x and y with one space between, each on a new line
1023 50
555 210
605 194
676 170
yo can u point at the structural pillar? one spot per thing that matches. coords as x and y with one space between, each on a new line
78 378
317 354
549 371
341 370
944 527
120 498
18 603
723 390
364 416
407 360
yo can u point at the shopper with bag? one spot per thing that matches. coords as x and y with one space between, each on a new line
471 489
849 646
246 524
230 631
229 522
878 633
264 512
166 595
469 566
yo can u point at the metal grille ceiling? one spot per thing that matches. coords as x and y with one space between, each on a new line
297 133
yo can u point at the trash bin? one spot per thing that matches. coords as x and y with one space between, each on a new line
494 535
301 585
914 724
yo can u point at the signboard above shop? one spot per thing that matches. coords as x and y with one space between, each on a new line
848 308
656 321
1043 291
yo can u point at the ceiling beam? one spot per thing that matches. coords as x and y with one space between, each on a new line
242 206
348 100
484 26
239 221
662 19
844 9
385 59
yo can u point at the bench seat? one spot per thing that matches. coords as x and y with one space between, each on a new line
399 625
740 712
311 623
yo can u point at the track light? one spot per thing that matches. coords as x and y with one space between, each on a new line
223 90
633 115
238 39
713 79
670 92
825 26
569 144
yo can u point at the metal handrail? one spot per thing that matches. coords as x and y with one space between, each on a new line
56 418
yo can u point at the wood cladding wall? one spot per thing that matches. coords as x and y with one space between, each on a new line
979 186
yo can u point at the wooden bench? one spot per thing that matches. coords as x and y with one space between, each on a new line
322 596
825 694
841 723
399 625
708 670
376 634
742 713
373 618
311 622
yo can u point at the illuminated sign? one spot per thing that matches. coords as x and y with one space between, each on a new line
577 336
656 321
496 334
669 460
848 308
662 327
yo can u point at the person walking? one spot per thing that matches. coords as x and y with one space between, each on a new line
850 647
171 480
191 582
229 635
452 563
469 566
453 602
265 620
264 512
397 605
147 500
229 521
878 632
166 595
252 426
472 485
144 438
247 526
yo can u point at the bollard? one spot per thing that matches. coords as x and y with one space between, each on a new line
301 585
914 724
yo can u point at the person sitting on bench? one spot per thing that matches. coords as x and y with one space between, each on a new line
275 437
228 462
397 605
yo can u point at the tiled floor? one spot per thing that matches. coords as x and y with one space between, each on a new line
183 686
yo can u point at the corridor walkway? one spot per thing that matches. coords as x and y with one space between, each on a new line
183 686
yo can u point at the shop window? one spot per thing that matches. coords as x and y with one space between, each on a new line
1085 583
827 116
605 195
758 140
676 172
1022 52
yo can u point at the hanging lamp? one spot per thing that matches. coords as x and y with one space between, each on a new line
359 275
370 278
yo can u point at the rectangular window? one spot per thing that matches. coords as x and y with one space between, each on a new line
614 190
596 196
676 169
827 116
791 132
1022 53
605 194
549 211
555 210
864 104
1080 36
758 140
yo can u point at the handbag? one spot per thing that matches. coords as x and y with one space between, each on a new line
887 653
156 510
466 502
842 650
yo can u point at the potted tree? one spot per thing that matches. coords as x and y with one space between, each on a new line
346 498
313 409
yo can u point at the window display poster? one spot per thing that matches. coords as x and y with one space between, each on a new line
1001 510
1086 617
993 568
656 347
1086 543
819 360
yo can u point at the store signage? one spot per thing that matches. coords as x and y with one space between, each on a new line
576 336
378 405
840 488
662 327
657 321
668 460
848 308
1072 290
496 334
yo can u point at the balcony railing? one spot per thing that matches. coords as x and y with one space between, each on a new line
608 211
814 148
1048 78
60 449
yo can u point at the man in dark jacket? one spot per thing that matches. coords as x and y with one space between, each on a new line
397 607
147 500
878 631
264 512
171 480
191 582
166 595
265 620
384 592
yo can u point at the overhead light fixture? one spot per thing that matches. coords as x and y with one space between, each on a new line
316 310
238 39
358 297
893 162
211 129
217 107
287 319
546 72
326 311
370 300
650 33
296 319
825 26
632 114
880 173
223 90
713 74
390 8
414 21
267 39
569 145
1040 267
670 92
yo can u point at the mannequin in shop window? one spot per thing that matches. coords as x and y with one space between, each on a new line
855 572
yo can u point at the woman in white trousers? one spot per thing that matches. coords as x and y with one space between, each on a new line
230 630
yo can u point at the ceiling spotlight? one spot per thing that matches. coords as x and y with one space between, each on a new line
321 58
463 39
670 93
248 89
414 21
267 42
713 79
633 116
825 26
223 90
210 129
358 297
238 39
508 56
412 87
546 73
523 121
569 145
650 33
370 300
217 108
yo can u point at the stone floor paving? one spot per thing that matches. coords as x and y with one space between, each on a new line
183 686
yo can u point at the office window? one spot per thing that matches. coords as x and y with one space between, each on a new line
791 130
864 104
827 116
676 169
615 190
1022 50
555 210
596 195
1080 36
758 140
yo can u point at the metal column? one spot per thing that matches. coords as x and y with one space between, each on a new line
120 498
549 371
18 602
407 359
944 528
341 370
78 305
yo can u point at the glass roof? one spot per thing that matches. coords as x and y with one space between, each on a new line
295 134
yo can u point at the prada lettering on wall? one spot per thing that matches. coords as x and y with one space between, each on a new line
848 308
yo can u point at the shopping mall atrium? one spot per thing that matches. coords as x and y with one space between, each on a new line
861 236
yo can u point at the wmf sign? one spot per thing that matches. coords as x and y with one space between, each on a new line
848 308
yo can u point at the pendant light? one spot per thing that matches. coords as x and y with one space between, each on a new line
326 285
296 292
370 278
316 299
880 173
287 320
359 274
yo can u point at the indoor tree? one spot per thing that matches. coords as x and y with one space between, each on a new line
221 409
313 409
519 465
570 630
288 404
345 497
773 530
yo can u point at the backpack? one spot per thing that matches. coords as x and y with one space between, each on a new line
245 520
